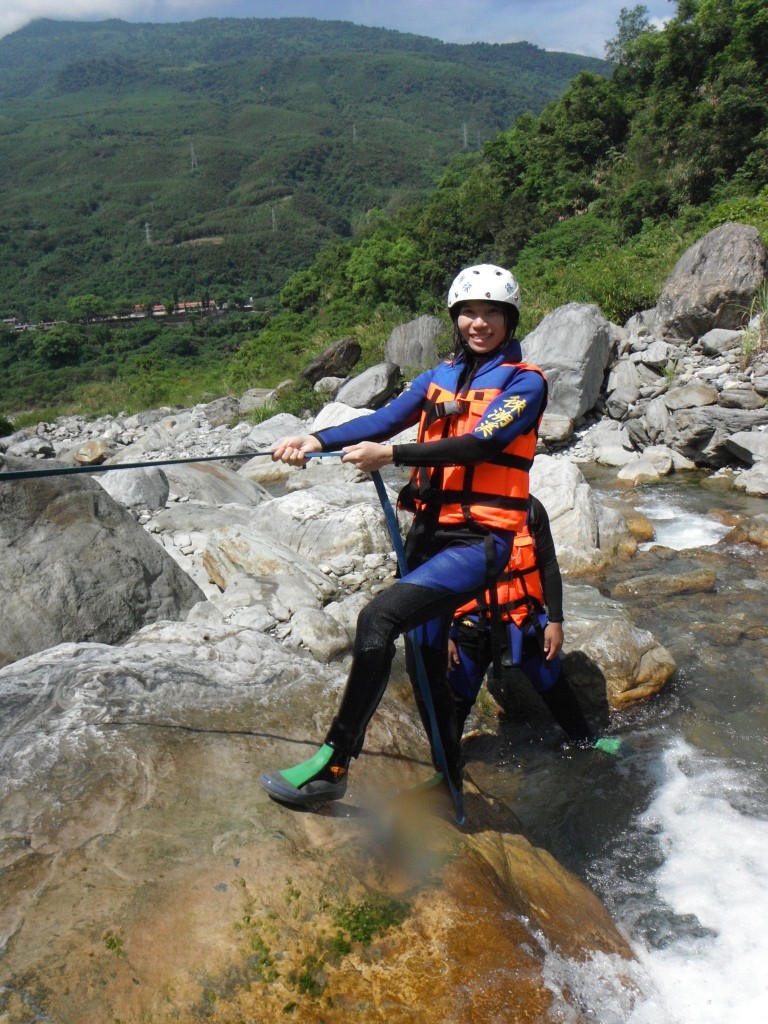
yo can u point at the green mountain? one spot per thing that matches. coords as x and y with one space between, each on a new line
147 163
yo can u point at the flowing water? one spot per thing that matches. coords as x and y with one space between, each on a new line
672 834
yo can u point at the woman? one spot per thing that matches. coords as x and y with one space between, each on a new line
478 416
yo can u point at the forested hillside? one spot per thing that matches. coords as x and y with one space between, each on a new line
681 125
146 163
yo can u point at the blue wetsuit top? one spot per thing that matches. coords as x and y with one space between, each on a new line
492 433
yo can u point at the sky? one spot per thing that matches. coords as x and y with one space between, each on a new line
577 26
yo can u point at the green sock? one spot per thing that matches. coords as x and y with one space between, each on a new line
303 772
430 783
608 744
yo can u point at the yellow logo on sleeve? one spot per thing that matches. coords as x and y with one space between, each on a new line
509 410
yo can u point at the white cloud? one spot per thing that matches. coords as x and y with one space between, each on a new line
577 26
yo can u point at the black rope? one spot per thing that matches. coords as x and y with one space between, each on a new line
28 474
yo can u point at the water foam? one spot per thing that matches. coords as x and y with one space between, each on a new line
715 868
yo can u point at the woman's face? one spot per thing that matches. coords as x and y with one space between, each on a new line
482 325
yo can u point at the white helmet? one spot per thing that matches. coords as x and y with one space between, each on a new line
485 283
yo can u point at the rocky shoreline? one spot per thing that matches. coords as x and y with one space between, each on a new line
170 632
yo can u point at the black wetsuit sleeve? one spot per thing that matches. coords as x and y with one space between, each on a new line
546 560
466 450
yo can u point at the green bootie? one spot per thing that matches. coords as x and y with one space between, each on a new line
608 745
322 777
438 779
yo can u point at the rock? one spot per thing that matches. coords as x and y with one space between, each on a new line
690 396
414 345
719 341
641 528
701 435
93 453
264 472
212 483
329 386
255 398
656 462
572 345
631 663
713 283
740 396
699 581
372 388
137 488
620 401
327 520
754 480
28 446
587 534
336 361
77 566
609 443
223 896
554 429
658 356
753 531
335 413
280 595
347 610
236 549
221 411
321 634
267 433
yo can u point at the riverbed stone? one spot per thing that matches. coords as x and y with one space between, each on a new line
650 585
77 566
572 345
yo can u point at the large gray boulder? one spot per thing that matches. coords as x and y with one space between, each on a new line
336 361
586 532
77 567
415 344
713 284
372 388
573 346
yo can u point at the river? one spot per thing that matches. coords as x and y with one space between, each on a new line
673 833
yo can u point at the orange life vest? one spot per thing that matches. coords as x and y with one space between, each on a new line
519 589
493 493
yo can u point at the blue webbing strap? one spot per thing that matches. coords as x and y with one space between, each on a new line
421 672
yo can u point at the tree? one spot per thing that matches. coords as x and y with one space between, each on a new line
60 346
86 307
632 23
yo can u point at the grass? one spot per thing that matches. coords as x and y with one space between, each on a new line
755 339
295 949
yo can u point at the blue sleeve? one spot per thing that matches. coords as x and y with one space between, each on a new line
404 411
514 412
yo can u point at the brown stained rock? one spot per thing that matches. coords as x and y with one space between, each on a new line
641 528
698 581
753 531
207 901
